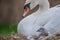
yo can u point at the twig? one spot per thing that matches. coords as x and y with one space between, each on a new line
52 35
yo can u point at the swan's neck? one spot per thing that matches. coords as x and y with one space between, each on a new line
43 8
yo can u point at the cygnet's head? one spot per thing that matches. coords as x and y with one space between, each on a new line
43 32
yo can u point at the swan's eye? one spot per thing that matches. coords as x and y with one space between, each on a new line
27 5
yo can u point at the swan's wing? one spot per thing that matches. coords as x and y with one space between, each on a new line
47 16
54 24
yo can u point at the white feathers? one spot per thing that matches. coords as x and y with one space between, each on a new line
28 25
54 24
48 18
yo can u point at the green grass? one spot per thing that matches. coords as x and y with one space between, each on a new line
6 29
55 38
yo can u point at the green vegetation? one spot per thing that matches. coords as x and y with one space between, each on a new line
55 38
6 29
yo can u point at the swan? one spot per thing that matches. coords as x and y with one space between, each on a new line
29 25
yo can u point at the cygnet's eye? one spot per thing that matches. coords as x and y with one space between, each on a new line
40 30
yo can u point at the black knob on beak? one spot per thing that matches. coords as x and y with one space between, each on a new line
27 5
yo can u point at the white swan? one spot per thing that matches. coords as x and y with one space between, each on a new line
29 25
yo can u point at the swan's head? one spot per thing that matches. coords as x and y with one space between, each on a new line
31 4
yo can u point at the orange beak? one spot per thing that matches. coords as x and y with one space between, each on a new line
26 11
